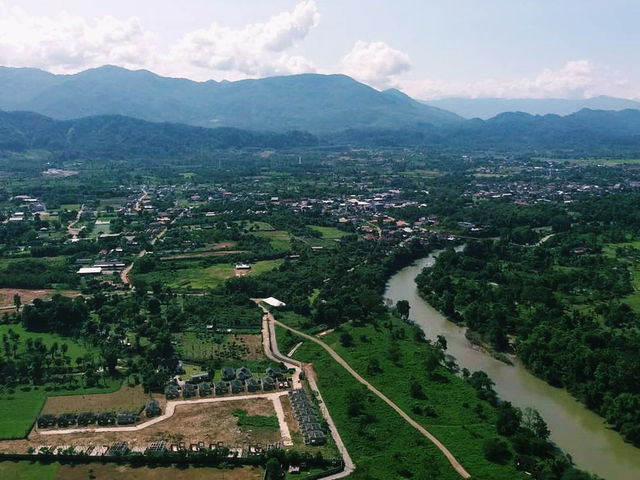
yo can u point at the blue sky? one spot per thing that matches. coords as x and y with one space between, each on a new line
427 48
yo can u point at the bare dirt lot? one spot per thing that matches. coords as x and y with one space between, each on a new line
127 398
209 423
118 472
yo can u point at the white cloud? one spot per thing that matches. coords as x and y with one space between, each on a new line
256 50
64 42
576 79
375 63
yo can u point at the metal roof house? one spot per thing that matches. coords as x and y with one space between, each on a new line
152 409
228 374
237 386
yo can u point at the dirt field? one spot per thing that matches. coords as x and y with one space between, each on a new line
209 423
27 296
289 416
254 344
126 398
118 472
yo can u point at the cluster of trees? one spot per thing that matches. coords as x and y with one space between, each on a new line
522 431
538 295
36 273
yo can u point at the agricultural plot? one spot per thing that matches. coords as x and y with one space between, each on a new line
201 346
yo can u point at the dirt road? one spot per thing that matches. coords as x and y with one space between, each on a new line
452 460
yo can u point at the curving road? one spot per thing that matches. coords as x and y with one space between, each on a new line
273 352
452 460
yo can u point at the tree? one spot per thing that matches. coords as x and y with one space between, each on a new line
274 469
17 301
346 340
532 420
403 308
508 421
496 450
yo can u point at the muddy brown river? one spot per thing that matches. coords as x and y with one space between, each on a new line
578 431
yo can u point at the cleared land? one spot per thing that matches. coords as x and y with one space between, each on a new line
207 422
126 398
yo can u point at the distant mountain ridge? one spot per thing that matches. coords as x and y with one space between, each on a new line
486 108
586 132
311 102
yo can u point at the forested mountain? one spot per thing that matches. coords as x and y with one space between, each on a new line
490 107
587 131
316 103
120 136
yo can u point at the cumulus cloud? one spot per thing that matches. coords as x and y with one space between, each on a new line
575 79
375 63
66 42
256 50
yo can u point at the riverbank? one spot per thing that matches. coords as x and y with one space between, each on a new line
577 430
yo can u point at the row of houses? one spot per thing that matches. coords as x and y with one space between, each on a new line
235 386
103 419
307 419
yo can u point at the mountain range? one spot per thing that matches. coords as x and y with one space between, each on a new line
111 111
310 102
586 132
486 108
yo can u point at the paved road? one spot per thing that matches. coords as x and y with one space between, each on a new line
452 460
273 352
171 408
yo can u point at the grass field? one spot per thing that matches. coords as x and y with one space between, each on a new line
110 471
18 411
279 239
204 277
329 232
75 349
447 406
29 471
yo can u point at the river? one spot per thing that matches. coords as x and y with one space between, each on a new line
574 428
